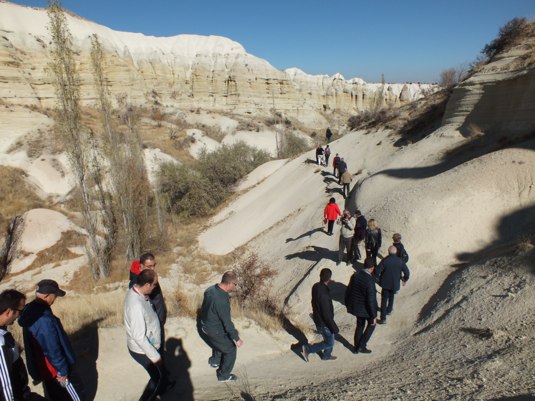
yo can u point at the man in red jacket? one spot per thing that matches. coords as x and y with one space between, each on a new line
330 214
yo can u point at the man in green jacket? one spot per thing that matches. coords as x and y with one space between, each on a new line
216 327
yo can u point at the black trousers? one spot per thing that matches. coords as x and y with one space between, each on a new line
387 302
156 381
74 391
362 336
346 190
330 226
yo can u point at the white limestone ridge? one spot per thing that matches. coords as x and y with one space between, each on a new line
184 70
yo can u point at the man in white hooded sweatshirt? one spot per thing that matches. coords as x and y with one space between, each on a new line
143 334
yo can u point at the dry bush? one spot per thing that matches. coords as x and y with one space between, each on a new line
254 278
509 34
16 196
448 78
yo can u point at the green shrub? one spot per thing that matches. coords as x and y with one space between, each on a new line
291 145
186 192
228 164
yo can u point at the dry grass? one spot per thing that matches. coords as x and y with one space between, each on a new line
265 312
184 303
59 251
79 310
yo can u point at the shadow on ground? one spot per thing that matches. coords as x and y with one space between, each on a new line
85 342
178 363
307 234
315 254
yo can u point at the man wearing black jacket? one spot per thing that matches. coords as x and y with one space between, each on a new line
390 272
323 315
361 301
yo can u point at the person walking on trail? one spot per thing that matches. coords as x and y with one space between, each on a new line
373 240
143 335
360 234
346 236
330 214
148 261
342 168
49 354
13 377
346 182
323 316
319 155
216 327
328 134
327 155
336 162
402 253
391 271
361 301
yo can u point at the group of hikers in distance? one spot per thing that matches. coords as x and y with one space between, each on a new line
361 294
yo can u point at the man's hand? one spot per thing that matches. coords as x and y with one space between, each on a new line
374 322
239 343
61 379
403 283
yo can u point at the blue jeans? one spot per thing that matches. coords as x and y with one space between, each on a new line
326 345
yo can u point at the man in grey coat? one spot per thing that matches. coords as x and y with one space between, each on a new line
391 271
216 328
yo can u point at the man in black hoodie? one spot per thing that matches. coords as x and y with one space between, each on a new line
323 315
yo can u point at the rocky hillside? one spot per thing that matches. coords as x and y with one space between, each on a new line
184 71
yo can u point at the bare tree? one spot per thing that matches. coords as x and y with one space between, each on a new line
128 176
75 137
448 78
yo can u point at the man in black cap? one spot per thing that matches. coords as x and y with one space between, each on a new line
361 301
49 354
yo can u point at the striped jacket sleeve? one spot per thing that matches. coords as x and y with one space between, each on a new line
7 390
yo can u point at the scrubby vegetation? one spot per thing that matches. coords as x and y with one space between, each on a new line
508 35
197 189
371 118
290 145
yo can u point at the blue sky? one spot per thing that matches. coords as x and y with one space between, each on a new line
410 40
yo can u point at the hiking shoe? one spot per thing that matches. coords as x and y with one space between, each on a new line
364 351
231 378
305 353
330 358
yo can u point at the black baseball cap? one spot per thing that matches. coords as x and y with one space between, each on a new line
48 286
